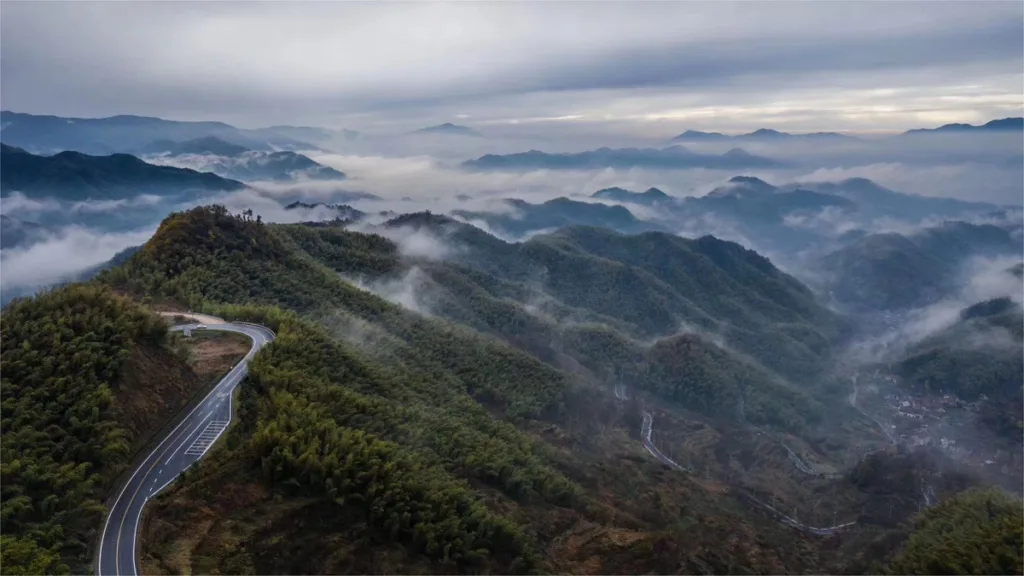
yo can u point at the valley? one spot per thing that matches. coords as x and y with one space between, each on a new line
511 288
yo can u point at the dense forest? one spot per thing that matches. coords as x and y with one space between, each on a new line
207 255
974 532
478 434
978 354
62 355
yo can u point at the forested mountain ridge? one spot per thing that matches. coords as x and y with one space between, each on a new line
975 532
889 271
978 355
379 391
372 438
521 217
655 283
75 176
74 412
773 318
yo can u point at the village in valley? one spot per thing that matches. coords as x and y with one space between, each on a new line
944 422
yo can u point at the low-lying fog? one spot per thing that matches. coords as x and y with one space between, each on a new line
406 173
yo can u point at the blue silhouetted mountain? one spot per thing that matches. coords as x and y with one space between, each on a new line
760 213
673 157
519 217
750 197
204 145
697 135
449 129
52 134
761 134
1000 125
650 197
75 176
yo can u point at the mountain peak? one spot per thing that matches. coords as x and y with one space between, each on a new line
650 196
1001 124
751 180
767 133
448 128
698 135
654 192
740 186
737 153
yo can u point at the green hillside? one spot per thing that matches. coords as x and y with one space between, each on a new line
976 532
407 443
979 354
896 271
480 434
87 377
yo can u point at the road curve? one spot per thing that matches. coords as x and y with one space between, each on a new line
182 447
647 426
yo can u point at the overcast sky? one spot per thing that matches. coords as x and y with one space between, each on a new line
636 68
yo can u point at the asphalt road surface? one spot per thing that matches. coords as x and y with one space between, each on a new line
182 447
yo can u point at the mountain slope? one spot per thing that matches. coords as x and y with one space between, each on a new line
377 416
878 201
648 286
228 160
204 145
74 176
976 532
649 197
364 416
521 217
894 271
88 377
978 355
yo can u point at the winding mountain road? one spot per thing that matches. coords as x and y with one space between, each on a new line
183 446
646 427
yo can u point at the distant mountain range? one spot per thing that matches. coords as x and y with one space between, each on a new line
792 219
767 134
1001 125
75 176
763 134
449 129
51 134
212 154
673 157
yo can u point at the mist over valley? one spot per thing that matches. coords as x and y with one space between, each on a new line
666 304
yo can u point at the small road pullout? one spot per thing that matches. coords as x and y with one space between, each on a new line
183 446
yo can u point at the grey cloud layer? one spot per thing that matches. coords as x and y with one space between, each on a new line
313 62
